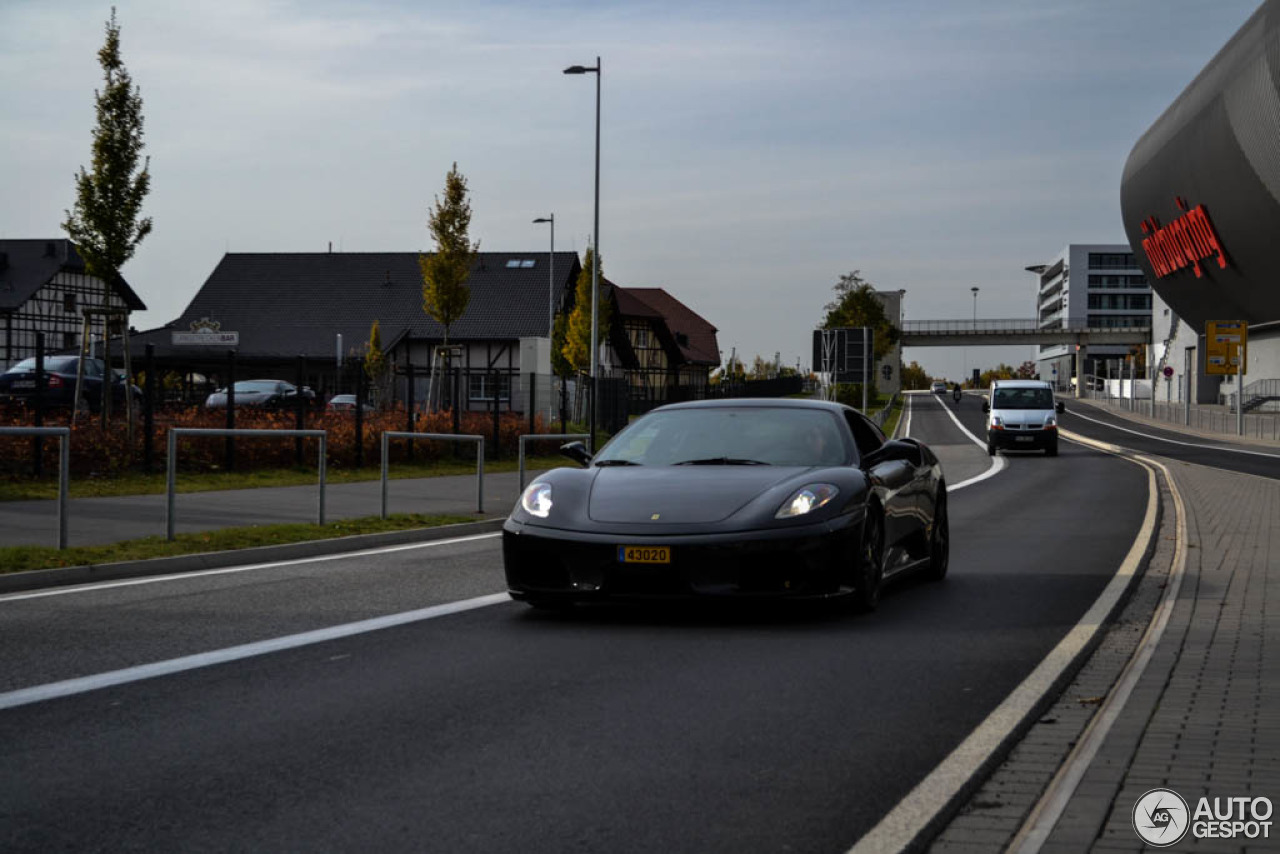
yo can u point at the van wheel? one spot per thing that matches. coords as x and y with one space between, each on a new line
991 449
1051 450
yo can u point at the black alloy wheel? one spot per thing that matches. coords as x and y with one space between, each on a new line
940 541
870 571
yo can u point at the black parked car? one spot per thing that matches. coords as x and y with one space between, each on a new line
735 499
18 384
268 394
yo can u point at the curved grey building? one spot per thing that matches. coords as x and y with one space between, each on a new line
1200 194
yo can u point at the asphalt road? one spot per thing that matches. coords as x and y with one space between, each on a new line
1099 424
505 729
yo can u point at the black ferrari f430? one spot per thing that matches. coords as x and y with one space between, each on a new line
731 498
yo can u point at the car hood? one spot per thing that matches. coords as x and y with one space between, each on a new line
679 494
1023 417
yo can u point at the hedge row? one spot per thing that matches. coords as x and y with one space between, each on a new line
98 452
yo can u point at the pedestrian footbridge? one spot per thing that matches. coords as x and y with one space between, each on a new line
971 333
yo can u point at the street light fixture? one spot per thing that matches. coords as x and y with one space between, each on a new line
595 241
551 277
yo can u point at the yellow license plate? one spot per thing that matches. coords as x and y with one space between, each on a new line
644 554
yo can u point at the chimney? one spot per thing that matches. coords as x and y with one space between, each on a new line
330 247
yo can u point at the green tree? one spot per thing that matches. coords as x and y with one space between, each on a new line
914 377
559 335
577 347
445 272
855 305
104 223
375 361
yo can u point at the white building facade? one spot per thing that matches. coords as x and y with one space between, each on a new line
1093 285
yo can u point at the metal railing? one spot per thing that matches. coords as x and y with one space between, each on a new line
983 326
64 468
882 415
171 478
1208 419
435 437
534 437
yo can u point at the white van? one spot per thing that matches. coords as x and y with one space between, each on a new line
1022 415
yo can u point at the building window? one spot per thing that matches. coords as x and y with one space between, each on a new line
69 303
68 340
480 387
1111 260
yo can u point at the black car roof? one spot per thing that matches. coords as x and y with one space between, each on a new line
761 403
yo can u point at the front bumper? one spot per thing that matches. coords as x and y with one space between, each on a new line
813 561
1022 440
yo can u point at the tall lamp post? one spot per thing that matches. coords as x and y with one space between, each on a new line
551 278
551 311
975 311
595 241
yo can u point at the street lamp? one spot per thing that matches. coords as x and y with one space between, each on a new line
595 240
975 307
551 278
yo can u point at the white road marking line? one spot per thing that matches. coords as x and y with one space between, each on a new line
1076 412
998 462
70 687
906 429
181 576
1039 824
906 821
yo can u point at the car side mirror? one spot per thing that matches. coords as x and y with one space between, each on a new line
1060 407
890 451
577 452
986 407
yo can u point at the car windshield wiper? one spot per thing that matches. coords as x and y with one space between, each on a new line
722 461
603 463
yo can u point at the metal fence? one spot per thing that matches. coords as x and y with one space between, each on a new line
1210 419
64 468
171 477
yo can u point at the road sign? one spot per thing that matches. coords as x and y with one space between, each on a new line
1225 344
1168 372
840 352
206 339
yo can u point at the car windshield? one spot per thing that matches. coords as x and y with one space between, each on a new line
1023 398
256 385
61 364
730 436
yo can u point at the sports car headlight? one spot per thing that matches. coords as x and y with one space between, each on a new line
806 499
536 500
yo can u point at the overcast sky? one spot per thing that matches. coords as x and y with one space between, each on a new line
751 152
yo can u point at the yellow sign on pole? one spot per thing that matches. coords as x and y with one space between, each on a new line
1226 344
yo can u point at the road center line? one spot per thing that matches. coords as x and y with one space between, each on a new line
998 462
81 685
182 576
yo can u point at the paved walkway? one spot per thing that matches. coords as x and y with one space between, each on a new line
1203 719
93 521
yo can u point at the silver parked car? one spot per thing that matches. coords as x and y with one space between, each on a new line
268 394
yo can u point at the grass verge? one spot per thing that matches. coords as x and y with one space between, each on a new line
137 483
891 423
25 558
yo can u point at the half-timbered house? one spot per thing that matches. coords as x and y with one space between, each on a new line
44 288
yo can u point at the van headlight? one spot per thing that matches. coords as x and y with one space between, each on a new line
806 499
536 500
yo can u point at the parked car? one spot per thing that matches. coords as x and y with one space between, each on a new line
1022 415
731 499
345 403
267 394
18 384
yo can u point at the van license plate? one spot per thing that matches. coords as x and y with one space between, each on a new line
644 554
1024 438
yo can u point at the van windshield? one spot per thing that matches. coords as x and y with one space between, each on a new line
1023 398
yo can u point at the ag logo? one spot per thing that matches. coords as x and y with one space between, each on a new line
1160 817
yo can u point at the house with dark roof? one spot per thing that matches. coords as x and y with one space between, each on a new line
44 288
319 304
664 349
